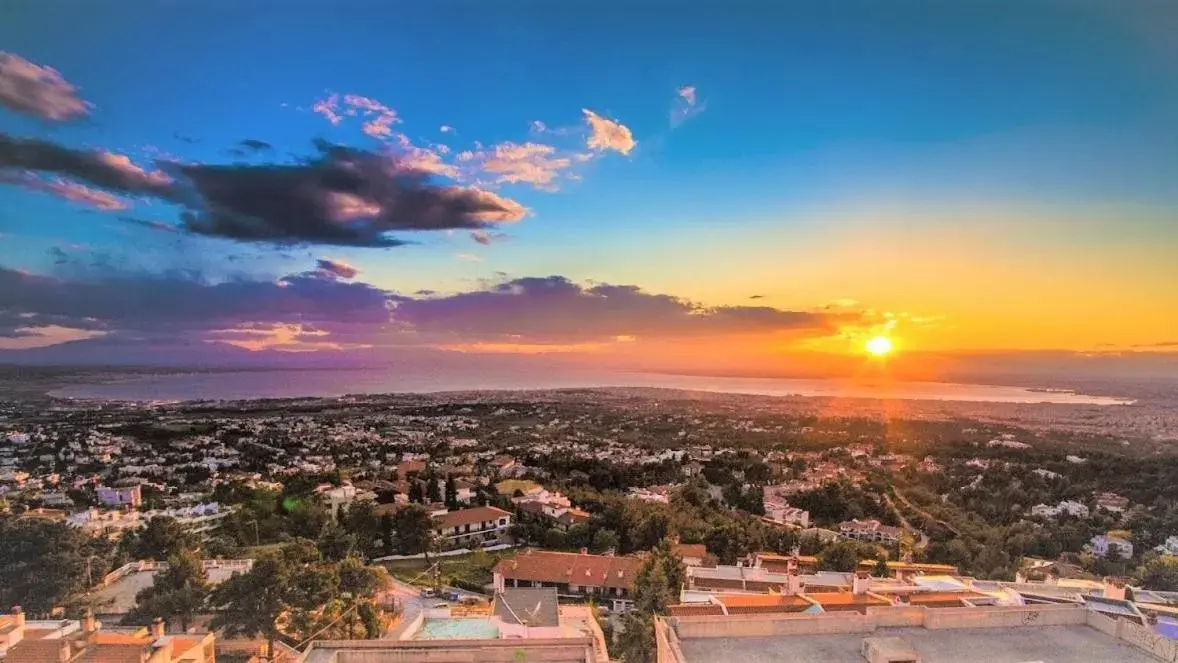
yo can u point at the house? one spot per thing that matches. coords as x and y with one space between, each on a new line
607 578
504 466
84 641
479 526
1103 544
339 498
1112 502
1170 547
783 513
693 554
869 530
1069 507
131 496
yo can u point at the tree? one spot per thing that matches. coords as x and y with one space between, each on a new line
335 543
431 489
44 564
635 642
881 567
361 520
1159 573
415 530
603 540
178 592
451 492
416 494
250 604
842 556
163 537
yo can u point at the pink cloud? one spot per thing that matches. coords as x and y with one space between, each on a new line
328 108
123 164
530 163
36 90
69 190
336 268
607 134
27 338
686 104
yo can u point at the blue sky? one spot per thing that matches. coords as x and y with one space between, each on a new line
818 134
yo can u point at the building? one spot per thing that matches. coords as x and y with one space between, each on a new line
869 530
1112 502
480 526
1068 507
692 554
779 629
607 578
519 625
131 496
339 498
1170 547
115 593
85 641
1103 544
784 514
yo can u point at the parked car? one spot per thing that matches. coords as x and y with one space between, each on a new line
429 593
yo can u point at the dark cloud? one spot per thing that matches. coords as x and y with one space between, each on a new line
345 197
756 296
184 302
486 238
336 268
107 170
255 145
556 309
153 225
1156 346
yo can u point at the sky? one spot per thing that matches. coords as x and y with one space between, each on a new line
720 188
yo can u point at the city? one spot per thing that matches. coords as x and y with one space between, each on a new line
445 331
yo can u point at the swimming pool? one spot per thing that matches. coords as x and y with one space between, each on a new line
457 629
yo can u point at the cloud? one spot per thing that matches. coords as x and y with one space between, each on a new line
447 129
36 90
554 309
106 170
255 145
378 118
538 126
66 189
152 225
336 268
485 238
345 197
134 305
328 108
686 104
514 163
607 134
468 257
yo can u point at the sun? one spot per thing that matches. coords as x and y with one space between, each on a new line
879 346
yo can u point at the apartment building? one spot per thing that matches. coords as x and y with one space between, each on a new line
479 526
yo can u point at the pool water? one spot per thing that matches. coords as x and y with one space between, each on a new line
457 629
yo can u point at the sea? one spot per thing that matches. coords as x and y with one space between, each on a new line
232 385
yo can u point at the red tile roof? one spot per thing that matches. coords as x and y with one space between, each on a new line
571 568
697 550
479 514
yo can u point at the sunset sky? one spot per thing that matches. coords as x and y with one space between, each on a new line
644 185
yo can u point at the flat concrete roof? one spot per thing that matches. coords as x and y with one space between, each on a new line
1048 644
118 598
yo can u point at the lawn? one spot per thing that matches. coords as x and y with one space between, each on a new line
471 571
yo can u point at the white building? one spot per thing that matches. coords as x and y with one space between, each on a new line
1170 547
1068 507
869 530
1102 544
781 512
